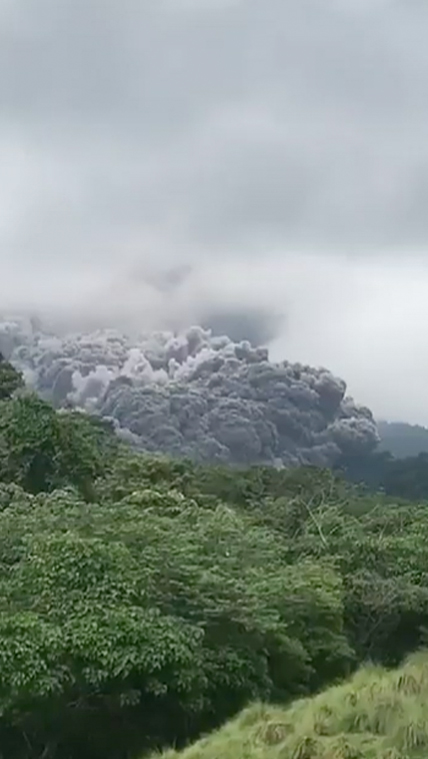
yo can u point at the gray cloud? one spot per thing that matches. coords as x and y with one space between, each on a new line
257 327
282 122
235 146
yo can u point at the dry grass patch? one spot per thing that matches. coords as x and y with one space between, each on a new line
378 714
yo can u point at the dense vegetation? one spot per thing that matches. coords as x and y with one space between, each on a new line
399 465
380 471
144 601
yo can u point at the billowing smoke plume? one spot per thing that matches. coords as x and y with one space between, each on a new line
195 394
255 325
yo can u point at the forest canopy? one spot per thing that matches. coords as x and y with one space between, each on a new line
145 600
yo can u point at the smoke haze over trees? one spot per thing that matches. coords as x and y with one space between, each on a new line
201 396
402 439
195 394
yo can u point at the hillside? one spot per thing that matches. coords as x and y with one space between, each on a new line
378 714
403 440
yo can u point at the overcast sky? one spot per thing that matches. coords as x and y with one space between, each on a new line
170 161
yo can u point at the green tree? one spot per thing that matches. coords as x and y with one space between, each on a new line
41 449
10 379
144 600
380 550
147 622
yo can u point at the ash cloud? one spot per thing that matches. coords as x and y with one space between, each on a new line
127 140
257 326
195 394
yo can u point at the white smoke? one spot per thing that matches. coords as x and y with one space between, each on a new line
194 394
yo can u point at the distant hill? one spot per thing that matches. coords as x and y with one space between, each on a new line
403 439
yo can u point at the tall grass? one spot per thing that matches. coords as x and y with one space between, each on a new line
378 714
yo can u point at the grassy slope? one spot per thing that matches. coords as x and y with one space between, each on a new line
377 714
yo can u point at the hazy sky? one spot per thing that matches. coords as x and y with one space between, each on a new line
167 160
